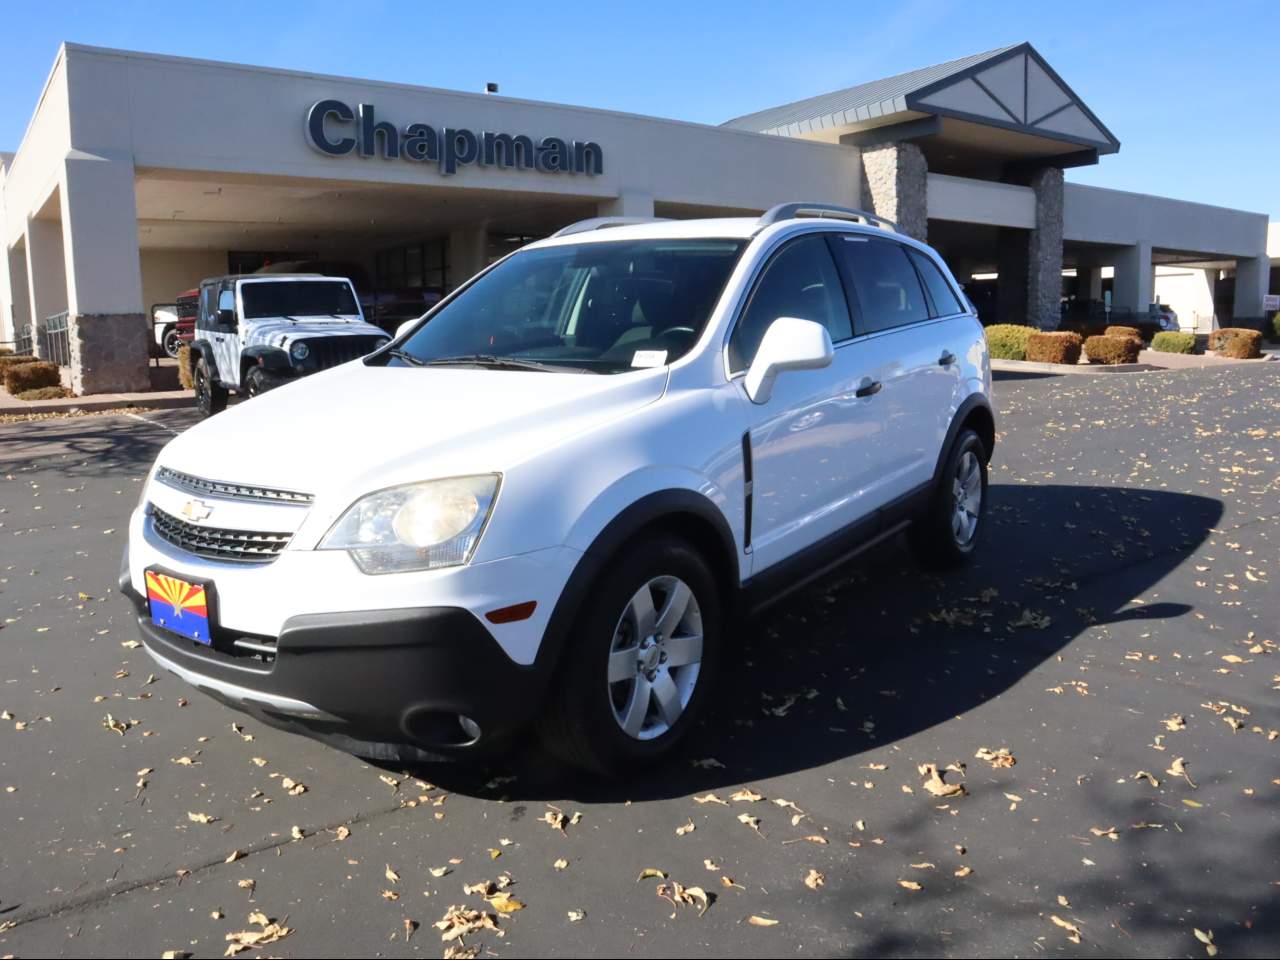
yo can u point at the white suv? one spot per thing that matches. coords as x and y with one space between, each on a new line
546 499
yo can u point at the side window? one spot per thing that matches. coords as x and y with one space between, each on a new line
944 299
800 280
889 292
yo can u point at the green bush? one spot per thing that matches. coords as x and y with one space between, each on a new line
21 377
1242 348
1112 350
1275 326
1167 341
1057 346
1008 341
45 393
186 368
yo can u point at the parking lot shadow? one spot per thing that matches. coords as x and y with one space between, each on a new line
880 650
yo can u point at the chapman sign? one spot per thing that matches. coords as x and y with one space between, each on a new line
335 129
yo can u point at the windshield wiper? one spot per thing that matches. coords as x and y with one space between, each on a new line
498 363
408 358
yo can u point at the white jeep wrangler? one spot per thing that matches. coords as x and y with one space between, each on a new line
254 333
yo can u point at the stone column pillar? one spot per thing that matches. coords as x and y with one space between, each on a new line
895 183
1134 279
46 274
1253 275
1044 252
108 331
628 203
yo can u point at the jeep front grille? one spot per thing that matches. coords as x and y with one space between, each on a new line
326 352
217 543
232 491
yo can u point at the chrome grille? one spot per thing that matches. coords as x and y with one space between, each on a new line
233 491
218 543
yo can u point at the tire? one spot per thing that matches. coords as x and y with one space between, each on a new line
596 719
948 532
211 397
172 342
257 382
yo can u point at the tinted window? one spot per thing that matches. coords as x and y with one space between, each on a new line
799 281
944 299
888 289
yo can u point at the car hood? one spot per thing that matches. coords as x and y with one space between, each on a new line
282 332
357 428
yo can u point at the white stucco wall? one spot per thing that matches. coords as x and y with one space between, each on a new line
981 201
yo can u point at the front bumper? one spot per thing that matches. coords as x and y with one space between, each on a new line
371 682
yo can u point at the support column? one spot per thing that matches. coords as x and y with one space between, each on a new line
1134 276
1088 283
45 273
19 318
628 203
1012 250
1044 252
468 253
108 331
1253 276
895 182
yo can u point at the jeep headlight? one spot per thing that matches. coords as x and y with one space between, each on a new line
299 351
418 526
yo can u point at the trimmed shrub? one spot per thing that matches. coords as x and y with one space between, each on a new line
1008 341
21 377
1133 332
186 368
1058 346
15 360
1275 326
1242 348
6 351
45 393
1218 337
1112 350
1167 341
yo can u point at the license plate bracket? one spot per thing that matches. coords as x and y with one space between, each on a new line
181 605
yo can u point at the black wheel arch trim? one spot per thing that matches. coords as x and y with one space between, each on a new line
975 401
271 359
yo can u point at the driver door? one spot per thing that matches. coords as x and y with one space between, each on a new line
226 337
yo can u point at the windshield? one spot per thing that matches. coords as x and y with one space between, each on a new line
298 298
605 307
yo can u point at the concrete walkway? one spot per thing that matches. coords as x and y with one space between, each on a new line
153 399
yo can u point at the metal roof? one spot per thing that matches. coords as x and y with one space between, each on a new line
1002 87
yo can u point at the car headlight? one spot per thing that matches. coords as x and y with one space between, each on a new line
418 526
299 351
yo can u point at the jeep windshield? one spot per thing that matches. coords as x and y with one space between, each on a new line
603 307
298 298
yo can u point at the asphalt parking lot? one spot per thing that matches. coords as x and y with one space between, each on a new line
1117 637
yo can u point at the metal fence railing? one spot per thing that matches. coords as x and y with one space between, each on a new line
55 340
23 343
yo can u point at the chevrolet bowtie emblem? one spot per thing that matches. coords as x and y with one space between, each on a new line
196 510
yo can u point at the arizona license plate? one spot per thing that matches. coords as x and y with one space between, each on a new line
178 605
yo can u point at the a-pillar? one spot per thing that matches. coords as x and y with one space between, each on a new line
628 203
1134 278
46 274
1253 275
895 185
107 329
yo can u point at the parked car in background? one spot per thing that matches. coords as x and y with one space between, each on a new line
1163 316
545 504
387 309
257 332
173 324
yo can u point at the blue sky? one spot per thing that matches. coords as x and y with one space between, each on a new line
1191 89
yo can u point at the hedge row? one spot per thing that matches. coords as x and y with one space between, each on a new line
45 393
21 377
1112 350
186 368
1167 341
1008 341
13 361
1239 343
1057 346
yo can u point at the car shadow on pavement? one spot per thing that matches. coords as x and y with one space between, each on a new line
880 650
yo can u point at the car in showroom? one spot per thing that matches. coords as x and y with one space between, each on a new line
546 504
253 333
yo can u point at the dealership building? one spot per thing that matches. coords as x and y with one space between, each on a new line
139 175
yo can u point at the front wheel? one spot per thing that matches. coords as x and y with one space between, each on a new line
640 661
211 397
172 342
946 533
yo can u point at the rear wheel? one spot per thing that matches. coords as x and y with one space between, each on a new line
947 533
640 661
211 397
172 342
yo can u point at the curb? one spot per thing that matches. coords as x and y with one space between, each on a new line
106 401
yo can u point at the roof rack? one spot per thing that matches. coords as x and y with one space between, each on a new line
791 211
602 223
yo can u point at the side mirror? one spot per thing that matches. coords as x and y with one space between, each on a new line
788 344
227 319
406 327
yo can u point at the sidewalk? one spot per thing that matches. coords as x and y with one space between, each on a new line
1148 361
153 399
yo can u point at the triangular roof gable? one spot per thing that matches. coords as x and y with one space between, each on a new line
1015 89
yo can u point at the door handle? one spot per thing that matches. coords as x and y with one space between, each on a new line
217 339
869 389
947 358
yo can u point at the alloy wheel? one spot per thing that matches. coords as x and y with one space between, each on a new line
966 490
